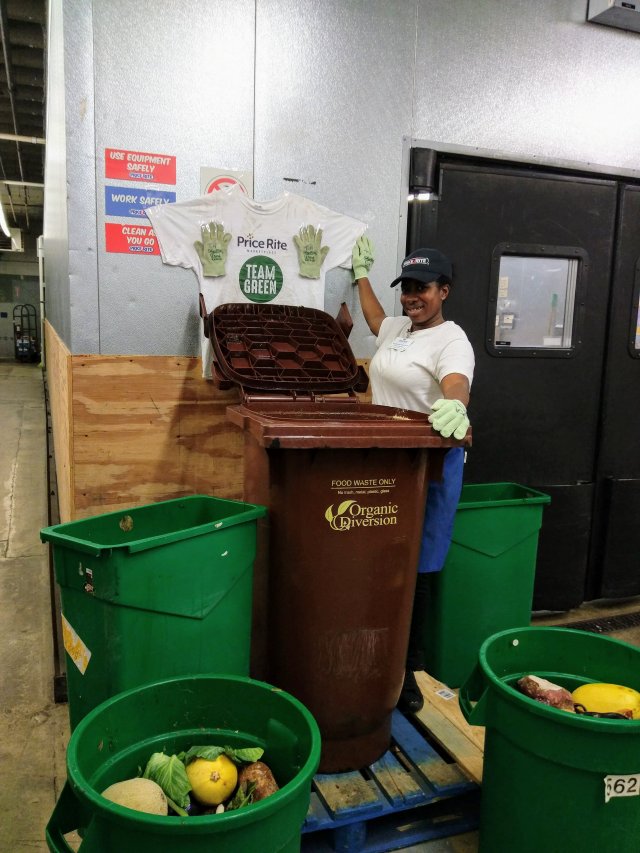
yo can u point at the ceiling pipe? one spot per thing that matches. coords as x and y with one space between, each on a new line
14 137
20 183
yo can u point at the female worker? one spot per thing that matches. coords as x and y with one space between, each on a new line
424 363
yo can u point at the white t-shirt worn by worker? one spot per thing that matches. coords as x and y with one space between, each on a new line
407 368
262 260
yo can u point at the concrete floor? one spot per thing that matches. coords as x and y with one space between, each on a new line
33 729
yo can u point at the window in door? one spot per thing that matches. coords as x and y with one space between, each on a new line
534 299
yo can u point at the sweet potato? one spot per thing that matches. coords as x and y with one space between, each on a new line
261 775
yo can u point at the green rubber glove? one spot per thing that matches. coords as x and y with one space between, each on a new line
310 254
449 417
212 250
362 257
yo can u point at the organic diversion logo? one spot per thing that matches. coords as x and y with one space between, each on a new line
351 514
260 279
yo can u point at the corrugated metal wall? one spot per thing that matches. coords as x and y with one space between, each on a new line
55 225
322 99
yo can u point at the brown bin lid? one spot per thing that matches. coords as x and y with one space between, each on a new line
308 424
286 355
284 348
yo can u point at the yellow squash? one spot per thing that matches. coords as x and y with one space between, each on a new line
212 782
608 698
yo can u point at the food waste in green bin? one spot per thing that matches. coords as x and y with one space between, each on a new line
534 755
607 699
139 794
203 780
594 699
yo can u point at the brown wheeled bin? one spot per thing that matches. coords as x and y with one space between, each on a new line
345 485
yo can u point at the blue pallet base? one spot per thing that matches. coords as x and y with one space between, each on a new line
408 796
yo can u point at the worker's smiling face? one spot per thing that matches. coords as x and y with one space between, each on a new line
422 302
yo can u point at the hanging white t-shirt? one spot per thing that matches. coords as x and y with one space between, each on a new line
407 368
262 260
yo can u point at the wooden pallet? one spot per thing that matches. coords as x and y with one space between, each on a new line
412 794
442 718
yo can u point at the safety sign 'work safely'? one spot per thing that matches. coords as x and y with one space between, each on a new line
130 201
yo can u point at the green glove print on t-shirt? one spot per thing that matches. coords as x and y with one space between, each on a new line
310 253
212 250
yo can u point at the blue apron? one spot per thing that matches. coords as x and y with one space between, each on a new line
442 502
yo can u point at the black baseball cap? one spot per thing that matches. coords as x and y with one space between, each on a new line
425 265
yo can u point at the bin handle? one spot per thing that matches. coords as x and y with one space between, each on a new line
68 815
474 690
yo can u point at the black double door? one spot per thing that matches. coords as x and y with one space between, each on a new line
556 411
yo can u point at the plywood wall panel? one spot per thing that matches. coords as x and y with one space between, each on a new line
60 390
149 428
131 430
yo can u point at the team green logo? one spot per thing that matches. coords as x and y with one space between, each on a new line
260 279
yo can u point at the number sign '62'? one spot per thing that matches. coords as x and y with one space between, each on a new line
621 786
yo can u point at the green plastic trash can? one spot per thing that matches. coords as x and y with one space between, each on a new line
486 584
117 738
152 592
554 780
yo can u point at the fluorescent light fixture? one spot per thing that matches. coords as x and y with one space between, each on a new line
3 221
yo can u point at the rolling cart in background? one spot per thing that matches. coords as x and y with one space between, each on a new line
26 338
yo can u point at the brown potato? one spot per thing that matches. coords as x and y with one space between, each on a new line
259 773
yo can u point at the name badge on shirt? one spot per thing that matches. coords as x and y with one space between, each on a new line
401 344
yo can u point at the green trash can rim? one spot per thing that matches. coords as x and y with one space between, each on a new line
539 708
519 495
58 533
197 823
